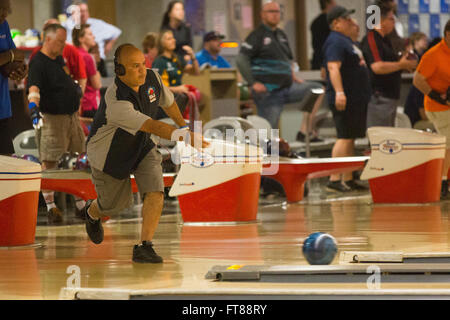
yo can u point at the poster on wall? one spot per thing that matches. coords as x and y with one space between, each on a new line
435 26
220 22
414 23
247 17
445 6
195 15
427 16
403 7
424 6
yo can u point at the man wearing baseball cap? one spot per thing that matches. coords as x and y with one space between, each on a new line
211 51
348 89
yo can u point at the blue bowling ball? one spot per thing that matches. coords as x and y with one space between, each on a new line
319 248
30 157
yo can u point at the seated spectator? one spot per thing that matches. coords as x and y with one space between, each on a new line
150 48
170 67
266 62
210 55
84 40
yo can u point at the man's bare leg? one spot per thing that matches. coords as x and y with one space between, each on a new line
342 148
54 214
151 213
308 118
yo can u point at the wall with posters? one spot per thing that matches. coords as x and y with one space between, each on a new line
427 16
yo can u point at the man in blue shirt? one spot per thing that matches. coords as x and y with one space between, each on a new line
211 51
8 53
348 89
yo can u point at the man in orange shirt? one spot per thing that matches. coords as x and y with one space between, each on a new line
433 79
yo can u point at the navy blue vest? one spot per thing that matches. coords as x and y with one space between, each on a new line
127 150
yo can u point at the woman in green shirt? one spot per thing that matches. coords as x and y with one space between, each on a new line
170 66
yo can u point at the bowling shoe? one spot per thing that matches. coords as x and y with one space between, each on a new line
445 194
355 186
94 228
144 253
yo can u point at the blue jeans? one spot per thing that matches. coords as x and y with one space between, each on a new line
270 104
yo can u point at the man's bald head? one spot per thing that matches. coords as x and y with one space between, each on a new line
271 5
125 52
271 14
133 60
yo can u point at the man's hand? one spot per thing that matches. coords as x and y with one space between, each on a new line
198 142
258 87
36 116
440 98
194 139
407 64
190 55
184 89
341 101
20 73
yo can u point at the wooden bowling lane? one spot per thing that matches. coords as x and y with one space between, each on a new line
191 250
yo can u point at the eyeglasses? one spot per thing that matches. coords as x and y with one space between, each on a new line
272 11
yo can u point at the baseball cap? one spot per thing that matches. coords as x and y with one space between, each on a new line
338 12
212 35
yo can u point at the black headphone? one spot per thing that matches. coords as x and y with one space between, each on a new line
119 68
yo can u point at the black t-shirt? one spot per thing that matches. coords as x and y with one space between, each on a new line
320 31
354 73
270 56
377 48
59 92
183 36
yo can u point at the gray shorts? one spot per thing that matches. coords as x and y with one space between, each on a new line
381 112
114 195
59 134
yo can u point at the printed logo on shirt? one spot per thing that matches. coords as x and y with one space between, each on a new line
267 41
170 67
151 94
2 36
